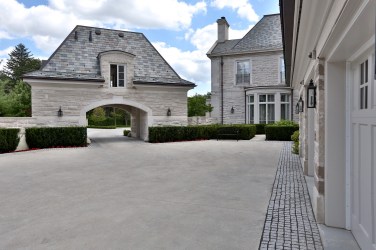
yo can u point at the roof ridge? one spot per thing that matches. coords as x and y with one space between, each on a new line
93 27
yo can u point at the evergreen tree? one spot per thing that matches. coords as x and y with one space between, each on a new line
20 62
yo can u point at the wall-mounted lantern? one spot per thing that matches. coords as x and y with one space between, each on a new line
232 110
168 112
60 112
301 105
311 95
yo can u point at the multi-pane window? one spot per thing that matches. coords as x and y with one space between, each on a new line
251 109
266 109
364 85
243 70
285 107
282 69
117 73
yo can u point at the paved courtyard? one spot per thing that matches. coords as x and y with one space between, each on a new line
125 194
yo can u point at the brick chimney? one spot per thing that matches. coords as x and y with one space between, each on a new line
222 29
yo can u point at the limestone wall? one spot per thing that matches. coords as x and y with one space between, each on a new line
264 72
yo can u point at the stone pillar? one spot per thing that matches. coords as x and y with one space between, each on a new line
319 155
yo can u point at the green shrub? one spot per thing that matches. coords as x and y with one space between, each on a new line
56 137
295 139
285 123
204 132
260 129
126 132
279 133
8 139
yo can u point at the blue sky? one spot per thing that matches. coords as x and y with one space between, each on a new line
182 31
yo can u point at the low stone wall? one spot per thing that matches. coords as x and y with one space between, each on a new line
201 120
17 122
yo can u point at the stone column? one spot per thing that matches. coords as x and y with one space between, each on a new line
319 155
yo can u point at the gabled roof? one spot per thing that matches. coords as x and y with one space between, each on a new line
265 35
77 57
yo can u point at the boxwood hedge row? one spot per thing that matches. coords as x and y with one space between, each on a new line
280 132
56 137
8 139
202 132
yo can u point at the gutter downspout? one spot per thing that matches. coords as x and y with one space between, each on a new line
292 104
245 106
221 89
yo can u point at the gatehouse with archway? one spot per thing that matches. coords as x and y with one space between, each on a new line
95 67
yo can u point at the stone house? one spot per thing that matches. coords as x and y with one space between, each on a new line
101 67
248 75
332 45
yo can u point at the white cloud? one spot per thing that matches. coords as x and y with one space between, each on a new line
243 8
48 24
5 52
195 65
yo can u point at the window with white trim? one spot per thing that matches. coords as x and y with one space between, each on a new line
251 109
118 75
266 108
282 69
285 107
364 85
243 69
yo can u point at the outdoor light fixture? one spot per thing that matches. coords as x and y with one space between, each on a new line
60 112
311 95
297 108
168 112
232 110
301 104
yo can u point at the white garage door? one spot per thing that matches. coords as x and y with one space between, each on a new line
363 171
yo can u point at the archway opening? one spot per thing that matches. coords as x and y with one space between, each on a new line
122 114
108 123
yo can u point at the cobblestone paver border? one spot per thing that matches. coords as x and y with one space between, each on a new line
290 222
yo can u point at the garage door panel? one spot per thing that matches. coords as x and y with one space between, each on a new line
373 163
355 194
365 180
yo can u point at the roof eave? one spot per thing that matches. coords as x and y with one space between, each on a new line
192 85
63 78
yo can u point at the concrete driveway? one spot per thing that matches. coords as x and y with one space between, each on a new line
122 193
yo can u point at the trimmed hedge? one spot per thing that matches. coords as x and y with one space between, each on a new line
260 129
204 132
56 137
126 132
279 133
8 139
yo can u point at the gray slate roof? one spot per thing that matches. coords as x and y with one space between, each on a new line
78 59
265 35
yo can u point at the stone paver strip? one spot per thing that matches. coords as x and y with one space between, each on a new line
290 222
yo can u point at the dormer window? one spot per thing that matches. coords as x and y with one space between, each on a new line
117 72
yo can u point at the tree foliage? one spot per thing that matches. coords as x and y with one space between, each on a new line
98 115
20 62
197 105
15 95
17 102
